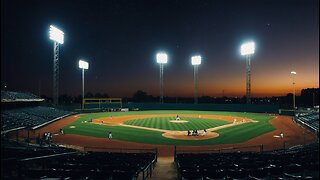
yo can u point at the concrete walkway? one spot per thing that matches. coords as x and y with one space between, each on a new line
165 169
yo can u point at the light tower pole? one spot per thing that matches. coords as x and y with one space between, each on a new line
83 65
195 61
162 58
247 49
293 89
57 36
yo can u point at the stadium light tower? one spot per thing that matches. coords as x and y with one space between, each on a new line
83 65
293 89
195 61
162 58
247 49
57 36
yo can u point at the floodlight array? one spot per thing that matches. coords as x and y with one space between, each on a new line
247 48
293 72
83 64
162 58
196 60
56 34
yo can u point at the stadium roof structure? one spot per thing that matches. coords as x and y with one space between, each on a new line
10 96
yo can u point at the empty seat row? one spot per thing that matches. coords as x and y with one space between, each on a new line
70 164
29 117
300 162
10 95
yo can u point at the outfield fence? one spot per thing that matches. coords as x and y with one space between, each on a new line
257 108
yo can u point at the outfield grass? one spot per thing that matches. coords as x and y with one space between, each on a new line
235 134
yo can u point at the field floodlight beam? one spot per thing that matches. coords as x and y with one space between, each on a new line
57 36
162 58
247 49
83 65
293 73
195 61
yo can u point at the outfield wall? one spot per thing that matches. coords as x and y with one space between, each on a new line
258 108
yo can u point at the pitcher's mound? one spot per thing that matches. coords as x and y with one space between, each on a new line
178 121
182 135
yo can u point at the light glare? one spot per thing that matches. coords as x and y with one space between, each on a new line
162 58
196 60
247 48
293 72
56 34
83 64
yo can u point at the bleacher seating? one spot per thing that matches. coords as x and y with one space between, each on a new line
61 163
300 162
310 119
10 95
29 117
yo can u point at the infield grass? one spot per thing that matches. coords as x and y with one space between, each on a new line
164 123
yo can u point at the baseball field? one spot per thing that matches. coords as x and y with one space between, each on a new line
161 127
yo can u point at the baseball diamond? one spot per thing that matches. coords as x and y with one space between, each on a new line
154 126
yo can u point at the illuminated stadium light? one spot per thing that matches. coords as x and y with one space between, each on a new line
83 64
293 72
162 58
56 34
247 48
196 60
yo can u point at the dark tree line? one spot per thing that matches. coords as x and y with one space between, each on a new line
309 97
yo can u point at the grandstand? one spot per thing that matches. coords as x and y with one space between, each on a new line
309 120
23 162
21 110
33 117
10 96
297 163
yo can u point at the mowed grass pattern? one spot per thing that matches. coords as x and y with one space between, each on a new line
164 123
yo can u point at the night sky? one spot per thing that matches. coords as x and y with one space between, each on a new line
120 40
